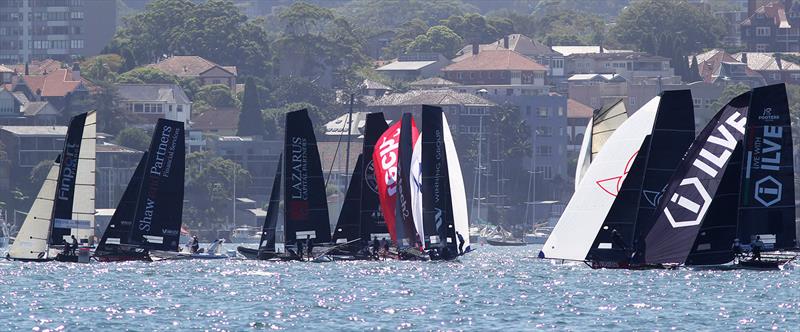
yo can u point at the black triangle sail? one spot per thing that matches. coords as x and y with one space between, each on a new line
371 218
404 220
268 230
657 159
62 224
691 188
157 217
115 238
348 227
767 205
306 204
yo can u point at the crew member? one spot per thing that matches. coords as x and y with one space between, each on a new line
74 244
460 243
195 245
736 248
376 245
386 247
757 246
617 240
300 249
309 246
66 247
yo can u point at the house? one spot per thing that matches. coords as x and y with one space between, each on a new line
205 71
567 50
26 147
462 109
38 67
6 74
221 121
411 67
16 109
115 165
526 46
772 66
432 83
717 66
633 66
59 87
499 72
596 90
148 102
772 27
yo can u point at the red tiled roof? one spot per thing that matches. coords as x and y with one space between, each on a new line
38 67
496 60
55 84
576 109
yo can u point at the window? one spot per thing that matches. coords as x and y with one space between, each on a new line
527 110
560 111
697 102
632 100
795 76
762 31
509 92
544 131
546 172
542 112
76 43
544 151
76 15
180 108
761 47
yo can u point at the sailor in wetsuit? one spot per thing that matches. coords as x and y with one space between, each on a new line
757 247
309 246
300 249
195 245
736 248
460 243
386 246
376 245
74 244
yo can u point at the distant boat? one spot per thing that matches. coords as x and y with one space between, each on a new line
505 242
148 218
445 223
245 234
64 206
304 197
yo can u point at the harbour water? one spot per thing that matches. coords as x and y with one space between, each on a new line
493 288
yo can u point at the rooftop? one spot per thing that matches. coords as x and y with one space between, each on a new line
596 77
222 118
432 82
188 65
4 69
767 61
496 60
576 109
57 83
431 97
36 130
106 147
569 50
406 65
374 85
170 93
774 10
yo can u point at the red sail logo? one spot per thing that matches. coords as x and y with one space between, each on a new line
386 159
613 184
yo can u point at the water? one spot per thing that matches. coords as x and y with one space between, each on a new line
492 288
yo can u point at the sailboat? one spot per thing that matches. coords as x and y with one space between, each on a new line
583 217
735 162
64 207
305 203
659 155
603 123
148 218
445 223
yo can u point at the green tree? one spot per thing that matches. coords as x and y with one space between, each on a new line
209 189
216 95
147 75
376 15
134 138
275 117
111 116
102 67
404 35
438 39
250 121
693 28
473 28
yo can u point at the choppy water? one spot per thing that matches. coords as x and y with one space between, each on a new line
492 288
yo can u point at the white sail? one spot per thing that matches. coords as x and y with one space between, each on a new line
572 237
31 241
585 156
416 189
458 196
83 204
605 122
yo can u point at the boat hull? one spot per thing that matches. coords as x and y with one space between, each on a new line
254 254
501 243
629 266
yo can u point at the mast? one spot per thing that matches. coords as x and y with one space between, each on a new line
404 220
269 229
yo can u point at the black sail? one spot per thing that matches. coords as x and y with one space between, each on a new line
371 218
691 188
65 185
348 227
657 159
404 221
716 234
304 185
119 227
268 230
766 205
158 214
437 213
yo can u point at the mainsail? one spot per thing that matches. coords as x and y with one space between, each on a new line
442 187
584 215
690 191
306 204
766 205
157 217
73 207
348 227
268 230
372 222
385 157
659 155
118 230
416 190
601 126
404 228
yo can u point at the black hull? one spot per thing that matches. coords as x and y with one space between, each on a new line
66 258
122 257
250 253
595 265
500 243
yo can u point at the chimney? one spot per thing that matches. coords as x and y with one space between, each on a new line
27 71
744 58
751 7
76 72
475 48
505 42
778 61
